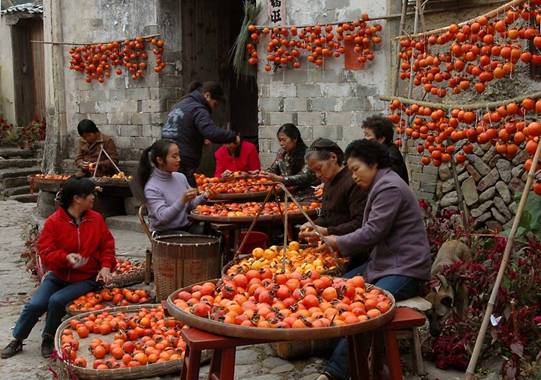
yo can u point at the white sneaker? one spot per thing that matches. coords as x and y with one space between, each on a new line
323 377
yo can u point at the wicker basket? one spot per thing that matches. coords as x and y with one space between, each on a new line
181 260
150 370
131 278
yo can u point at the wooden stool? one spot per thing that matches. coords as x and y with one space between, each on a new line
404 319
222 364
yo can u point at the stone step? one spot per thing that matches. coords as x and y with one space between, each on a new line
16 152
18 190
11 163
25 198
7 183
124 222
19 172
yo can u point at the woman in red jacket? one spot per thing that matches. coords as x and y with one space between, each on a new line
235 157
78 250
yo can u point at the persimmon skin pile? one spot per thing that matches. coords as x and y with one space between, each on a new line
93 301
262 300
140 338
127 266
249 209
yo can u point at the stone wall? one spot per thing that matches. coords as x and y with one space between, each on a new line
7 88
488 182
130 111
326 102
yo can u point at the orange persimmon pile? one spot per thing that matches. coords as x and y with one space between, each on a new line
292 300
127 266
140 338
249 209
320 42
94 301
97 61
470 56
51 177
234 185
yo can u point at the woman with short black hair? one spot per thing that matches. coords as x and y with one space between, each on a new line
393 233
78 250
381 129
289 166
343 201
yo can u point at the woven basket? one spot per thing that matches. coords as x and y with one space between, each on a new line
132 278
150 370
181 260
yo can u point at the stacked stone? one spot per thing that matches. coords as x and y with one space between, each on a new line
489 183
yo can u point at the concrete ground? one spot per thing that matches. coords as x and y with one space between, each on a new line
254 362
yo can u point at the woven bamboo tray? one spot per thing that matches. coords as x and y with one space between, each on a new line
271 334
108 307
150 370
248 219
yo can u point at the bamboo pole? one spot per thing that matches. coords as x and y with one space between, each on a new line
88 43
390 17
397 57
489 14
469 106
470 372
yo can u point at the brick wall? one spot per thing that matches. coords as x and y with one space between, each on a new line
326 102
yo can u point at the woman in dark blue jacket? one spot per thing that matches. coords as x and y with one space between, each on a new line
189 124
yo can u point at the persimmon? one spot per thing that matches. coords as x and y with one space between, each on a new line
82 331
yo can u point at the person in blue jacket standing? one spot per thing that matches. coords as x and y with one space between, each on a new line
189 124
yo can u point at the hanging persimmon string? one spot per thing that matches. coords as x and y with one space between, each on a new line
318 43
469 56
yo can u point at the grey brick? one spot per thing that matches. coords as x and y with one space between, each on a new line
280 117
307 133
129 130
267 132
271 104
263 118
425 195
309 90
295 104
362 91
141 118
427 178
154 131
295 75
266 159
117 94
155 93
429 187
98 118
332 132
151 29
151 106
339 118
355 104
336 89
123 142
281 89
142 142
322 104
95 23
336 4
327 75
263 90
87 107
97 96
351 133
310 118
138 93
111 130
119 118
83 85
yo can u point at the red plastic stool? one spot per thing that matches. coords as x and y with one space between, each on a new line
222 364
404 319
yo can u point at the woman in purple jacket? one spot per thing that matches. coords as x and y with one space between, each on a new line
393 232
167 194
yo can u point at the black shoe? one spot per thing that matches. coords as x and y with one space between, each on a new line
47 346
13 348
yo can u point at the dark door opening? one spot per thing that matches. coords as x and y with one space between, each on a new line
28 70
209 30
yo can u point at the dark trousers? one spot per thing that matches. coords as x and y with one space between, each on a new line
401 287
52 296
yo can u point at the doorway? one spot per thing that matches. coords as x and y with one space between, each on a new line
28 70
209 30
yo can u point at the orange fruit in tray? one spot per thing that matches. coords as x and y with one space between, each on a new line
249 209
233 185
133 343
286 301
